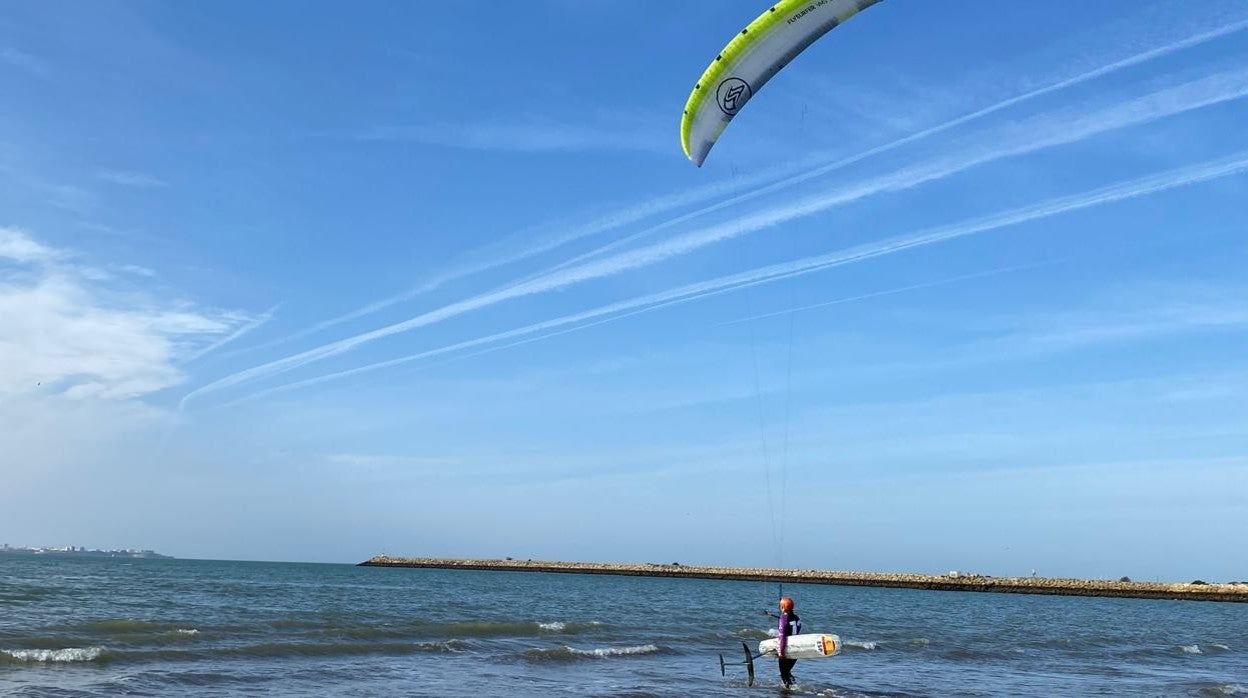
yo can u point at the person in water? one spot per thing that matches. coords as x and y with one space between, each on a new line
790 625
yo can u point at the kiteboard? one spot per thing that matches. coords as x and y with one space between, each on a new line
810 646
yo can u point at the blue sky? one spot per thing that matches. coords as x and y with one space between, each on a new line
963 288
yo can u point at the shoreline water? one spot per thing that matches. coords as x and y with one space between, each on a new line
977 583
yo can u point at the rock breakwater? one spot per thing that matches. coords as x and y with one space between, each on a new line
949 582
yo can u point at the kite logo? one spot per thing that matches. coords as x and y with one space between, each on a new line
732 94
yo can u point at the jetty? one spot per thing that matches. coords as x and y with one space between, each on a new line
953 581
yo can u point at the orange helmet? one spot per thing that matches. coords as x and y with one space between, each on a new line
786 604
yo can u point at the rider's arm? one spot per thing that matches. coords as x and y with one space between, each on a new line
784 633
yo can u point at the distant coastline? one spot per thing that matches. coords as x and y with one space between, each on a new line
78 551
1193 591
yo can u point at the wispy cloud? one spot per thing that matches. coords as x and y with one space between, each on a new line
24 61
131 179
891 291
18 246
1145 313
137 270
533 134
1017 139
767 274
754 184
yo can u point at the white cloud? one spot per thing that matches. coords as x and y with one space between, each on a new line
17 246
63 332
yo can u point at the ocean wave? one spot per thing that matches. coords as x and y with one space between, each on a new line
126 626
22 594
862 644
1208 648
754 634
969 654
509 628
65 655
266 650
439 647
920 642
321 649
416 629
565 653
560 626
1075 643
1224 689
186 631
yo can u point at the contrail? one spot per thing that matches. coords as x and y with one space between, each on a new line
1102 71
597 226
616 311
1031 137
237 333
892 291
663 204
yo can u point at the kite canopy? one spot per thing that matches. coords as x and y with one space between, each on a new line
750 60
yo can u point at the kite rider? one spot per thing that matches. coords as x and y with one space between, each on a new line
790 625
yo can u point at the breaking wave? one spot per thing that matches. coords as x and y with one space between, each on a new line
862 644
1210 648
1225 689
556 654
515 628
66 655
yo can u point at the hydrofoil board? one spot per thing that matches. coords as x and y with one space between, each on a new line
810 646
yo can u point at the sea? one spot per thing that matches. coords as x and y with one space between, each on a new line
109 627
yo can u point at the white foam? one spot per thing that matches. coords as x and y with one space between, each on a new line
1224 648
615 651
555 626
862 644
1231 689
186 631
69 654
774 632
1190 649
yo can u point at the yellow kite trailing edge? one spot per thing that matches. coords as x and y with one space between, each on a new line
751 59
